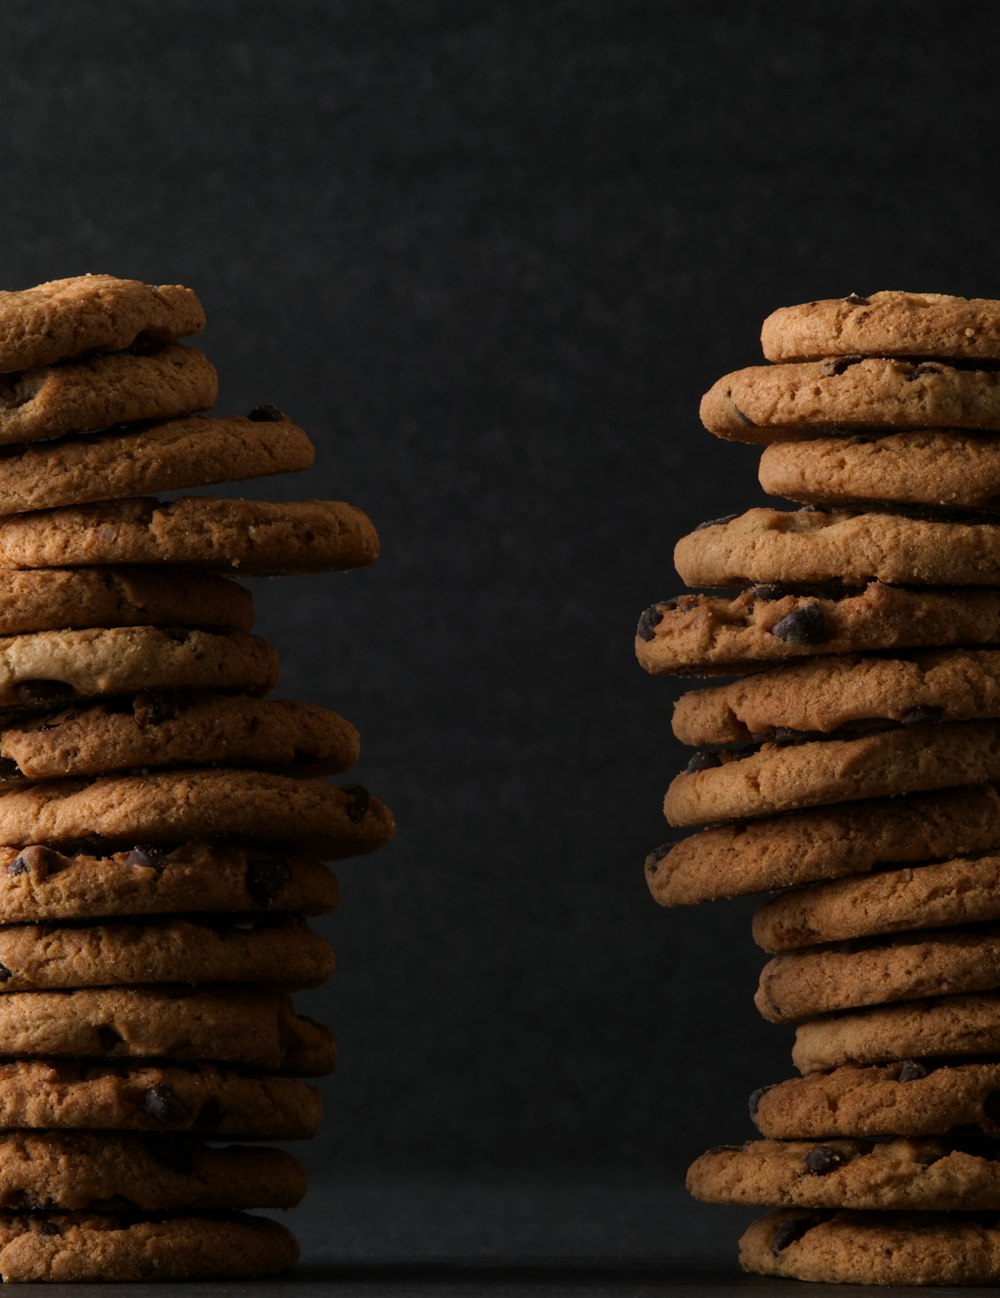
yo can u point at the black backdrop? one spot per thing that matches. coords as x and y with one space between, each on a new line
490 255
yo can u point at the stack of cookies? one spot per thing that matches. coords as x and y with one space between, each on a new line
162 823
853 767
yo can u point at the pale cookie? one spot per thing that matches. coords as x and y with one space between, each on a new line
827 694
939 895
84 1247
918 1248
950 1027
150 730
706 635
56 599
39 883
91 313
805 547
731 784
136 1172
921 1175
250 807
939 963
47 668
163 383
807 846
906 1098
252 536
891 323
251 1028
772 403
939 470
203 1099
279 953
155 457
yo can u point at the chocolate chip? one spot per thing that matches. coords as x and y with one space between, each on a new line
861 317
788 1231
210 1114
650 618
724 1149
755 1099
109 1038
154 709
823 1159
656 856
142 854
716 522
859 439
5 974
768 593
917 715
265 878
161 1103
832 368
919 371
911 1070
48 1228
804 625
855 299
267 415
37 859
43 691
22 1201
703 760
357 806
18 866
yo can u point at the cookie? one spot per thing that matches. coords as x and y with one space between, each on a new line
174 730
732 784
949 1026
279 953
161 383
75 1247
885 324
917 1248
944 893
904 1098
771 403
39 883
706 635
136 1172
935 470
57 599
252 1028
828 694
153 457
206 1100
832 843
168 807
835 978
908 1175
252 536
806 547
91 313
47 668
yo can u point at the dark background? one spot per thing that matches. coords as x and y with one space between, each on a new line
490 255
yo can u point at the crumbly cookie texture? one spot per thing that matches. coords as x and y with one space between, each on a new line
41 884
281 952
154 730
808 983
57 1094
772 403
162 383
247 536
47 668
251 1028
807 547
75 1247
831 843
91 313
167 807
936 469
824 695
155 457
919 1248
58 599
730 785
943 893
890 323
905 1098
924 1175
707 635
139 1172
